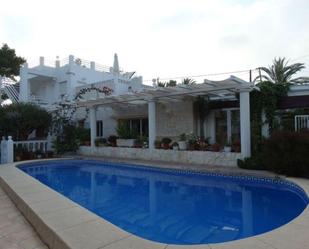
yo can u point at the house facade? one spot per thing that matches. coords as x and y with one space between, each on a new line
150 111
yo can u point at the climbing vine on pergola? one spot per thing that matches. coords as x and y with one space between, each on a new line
106 90
64 112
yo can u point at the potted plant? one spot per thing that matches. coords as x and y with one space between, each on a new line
215 147
82 134
143 141
19 152
203 143
126 137
166 142
39 154
157 144
182 143
100 142
192 141
175 146
112 140
236 146
49 154
227 147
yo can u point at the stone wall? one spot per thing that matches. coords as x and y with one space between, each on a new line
174 118
194 157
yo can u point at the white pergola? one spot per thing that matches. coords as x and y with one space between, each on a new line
216 90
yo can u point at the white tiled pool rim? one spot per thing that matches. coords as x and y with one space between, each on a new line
63 224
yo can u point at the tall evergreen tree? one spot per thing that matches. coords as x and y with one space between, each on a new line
9 62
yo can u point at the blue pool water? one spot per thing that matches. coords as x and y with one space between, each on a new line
172 206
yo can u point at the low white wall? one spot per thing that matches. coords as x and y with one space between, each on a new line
194 157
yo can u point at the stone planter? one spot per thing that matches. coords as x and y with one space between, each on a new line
182 145
227 149
175 147
125 142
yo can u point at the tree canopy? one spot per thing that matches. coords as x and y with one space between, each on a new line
9 62
280 72
19 120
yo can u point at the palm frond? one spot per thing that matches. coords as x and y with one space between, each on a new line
280 72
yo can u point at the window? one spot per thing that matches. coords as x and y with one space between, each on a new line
235 125
99 128
138 126
227 126
221 127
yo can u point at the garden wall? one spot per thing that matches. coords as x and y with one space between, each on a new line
176 156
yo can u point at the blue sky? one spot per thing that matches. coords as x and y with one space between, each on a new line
162 38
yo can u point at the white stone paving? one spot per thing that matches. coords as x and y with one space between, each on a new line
15 231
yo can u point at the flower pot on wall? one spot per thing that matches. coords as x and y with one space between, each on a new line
227 148
87 143
182 145
157 144
215 147
166 146
125 142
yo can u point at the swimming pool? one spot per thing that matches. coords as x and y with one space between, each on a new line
172 206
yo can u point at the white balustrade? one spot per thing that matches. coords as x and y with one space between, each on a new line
301 122
8 146
32 145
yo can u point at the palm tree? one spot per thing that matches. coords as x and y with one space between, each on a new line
281 73
188 81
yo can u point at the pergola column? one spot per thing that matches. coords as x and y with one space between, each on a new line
152 123
229 126
245 132
93 126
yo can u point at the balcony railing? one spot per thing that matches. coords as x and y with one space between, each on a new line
301 122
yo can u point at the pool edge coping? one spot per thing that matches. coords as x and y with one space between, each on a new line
68 232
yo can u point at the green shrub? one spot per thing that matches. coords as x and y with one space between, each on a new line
124 132
99 141
66 141
19 120
254 162
285 152
82 134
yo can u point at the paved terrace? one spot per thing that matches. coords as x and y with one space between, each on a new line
63 224
15 231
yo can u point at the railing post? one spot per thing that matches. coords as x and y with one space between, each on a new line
3 150
10 150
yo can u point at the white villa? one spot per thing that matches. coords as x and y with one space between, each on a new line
152 111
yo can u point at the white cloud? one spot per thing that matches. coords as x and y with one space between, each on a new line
160 38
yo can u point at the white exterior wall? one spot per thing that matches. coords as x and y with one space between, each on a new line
74 75
109 123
